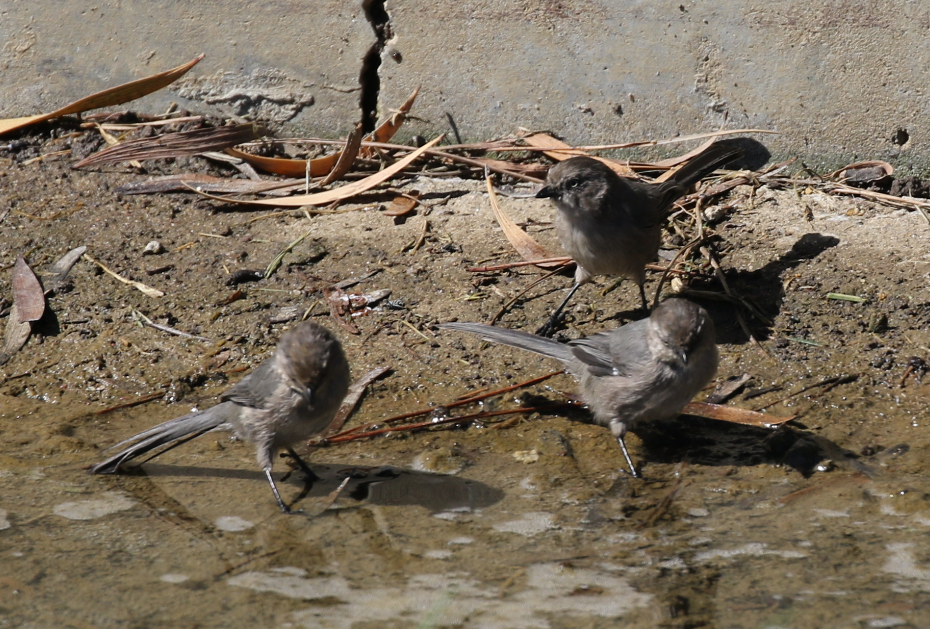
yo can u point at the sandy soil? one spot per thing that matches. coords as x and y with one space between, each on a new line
819 524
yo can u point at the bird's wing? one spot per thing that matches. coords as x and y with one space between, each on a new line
619 352
255 389
596 360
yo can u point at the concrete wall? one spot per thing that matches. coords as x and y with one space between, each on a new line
839 79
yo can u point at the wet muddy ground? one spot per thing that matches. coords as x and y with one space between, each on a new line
521 524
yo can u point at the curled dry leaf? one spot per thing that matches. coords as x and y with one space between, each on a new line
107 98
528 248
560 150
351 399
346 157
28 296
863 173
344 192
734 415
322 166
403 204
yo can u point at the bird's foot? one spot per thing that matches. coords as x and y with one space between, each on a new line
550 326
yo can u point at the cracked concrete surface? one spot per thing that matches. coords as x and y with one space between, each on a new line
840 80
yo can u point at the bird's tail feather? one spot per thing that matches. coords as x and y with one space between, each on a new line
171 433
515 338
705 163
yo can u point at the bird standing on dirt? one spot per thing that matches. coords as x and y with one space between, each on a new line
287 399
644 371
612 225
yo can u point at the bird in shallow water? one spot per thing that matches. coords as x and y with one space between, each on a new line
641 372
289 398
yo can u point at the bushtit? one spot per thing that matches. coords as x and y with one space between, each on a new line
643 371
288 398
612 225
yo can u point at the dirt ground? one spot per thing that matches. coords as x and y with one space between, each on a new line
528 524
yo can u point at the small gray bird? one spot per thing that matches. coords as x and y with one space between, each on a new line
612 225
644 371
287 399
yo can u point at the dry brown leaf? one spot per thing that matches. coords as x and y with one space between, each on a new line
734 415
528 248
391 126
28 295
346 157
172 145
16 335
403 204
561 150
107 98
342 193
321 166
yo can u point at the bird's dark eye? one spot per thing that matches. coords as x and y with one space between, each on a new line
571 184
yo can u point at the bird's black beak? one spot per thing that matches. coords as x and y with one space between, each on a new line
546 192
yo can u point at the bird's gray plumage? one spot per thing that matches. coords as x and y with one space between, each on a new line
289 398
612 225
644 371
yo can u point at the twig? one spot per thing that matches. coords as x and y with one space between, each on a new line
165 328
459 402
136 402
278 259
671 265
351 399
513 300
148 290
509 265
443 422
835 380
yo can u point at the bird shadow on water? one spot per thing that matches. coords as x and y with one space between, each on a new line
385 485
714 443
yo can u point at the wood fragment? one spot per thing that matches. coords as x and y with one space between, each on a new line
728 389
65 263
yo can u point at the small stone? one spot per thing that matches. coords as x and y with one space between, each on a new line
154 248
526 456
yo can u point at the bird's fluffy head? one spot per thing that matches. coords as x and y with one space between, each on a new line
682 327
579 183
307 351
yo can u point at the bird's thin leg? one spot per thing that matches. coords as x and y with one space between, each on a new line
626 455
311 475
274 488
642 295
548 329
